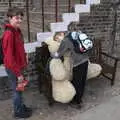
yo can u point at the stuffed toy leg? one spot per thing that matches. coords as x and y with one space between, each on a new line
63 91
57 70
94 70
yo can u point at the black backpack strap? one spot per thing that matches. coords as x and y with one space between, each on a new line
1 52
75 43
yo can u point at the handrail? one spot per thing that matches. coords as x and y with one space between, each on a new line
69 6
28 22
43 16
43 12
56 10
9 3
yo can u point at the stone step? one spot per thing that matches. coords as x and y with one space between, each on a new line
69 17
80 8
92 1
41 36
2 71
59 26
30 47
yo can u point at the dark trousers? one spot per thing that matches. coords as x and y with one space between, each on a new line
79 80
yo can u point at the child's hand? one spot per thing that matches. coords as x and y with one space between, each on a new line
20 79
21 86
54 55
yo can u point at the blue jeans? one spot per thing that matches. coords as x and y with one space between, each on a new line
17 96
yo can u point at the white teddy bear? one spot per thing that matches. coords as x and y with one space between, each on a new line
62 89
94 70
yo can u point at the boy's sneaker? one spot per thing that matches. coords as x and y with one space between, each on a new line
27 108
25 114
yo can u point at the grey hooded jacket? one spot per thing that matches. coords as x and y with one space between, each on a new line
67 46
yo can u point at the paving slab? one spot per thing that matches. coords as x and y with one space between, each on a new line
106 111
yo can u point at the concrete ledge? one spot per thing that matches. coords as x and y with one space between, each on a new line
41 36
30 47
59 26
106 111
2 71
69 17
81 8
93 1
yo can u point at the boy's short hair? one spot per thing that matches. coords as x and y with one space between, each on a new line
73 26
14 11
57 33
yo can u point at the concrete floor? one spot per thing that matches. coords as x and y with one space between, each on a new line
101 101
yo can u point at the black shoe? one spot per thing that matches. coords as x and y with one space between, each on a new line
76 106
27 108
24 114
76 101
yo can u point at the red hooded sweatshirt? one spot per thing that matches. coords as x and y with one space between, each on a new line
13 50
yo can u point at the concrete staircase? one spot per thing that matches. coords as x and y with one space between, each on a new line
67 18
56 26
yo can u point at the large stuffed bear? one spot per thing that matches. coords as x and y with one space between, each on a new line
61 71
62 89
94 70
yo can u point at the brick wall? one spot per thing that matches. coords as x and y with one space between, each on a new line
99 22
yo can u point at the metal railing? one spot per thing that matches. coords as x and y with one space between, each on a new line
55 4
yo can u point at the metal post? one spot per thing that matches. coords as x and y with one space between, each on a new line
69 6
28 22
10 3
43 17
114 30
82 1
56 10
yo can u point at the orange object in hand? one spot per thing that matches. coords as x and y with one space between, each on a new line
21 86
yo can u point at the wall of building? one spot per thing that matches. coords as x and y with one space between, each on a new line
98 24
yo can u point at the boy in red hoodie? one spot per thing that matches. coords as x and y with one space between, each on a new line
15 59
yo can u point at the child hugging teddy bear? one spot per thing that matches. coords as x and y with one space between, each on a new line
61 70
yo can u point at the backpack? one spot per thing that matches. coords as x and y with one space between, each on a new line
80 41
1 35
2 30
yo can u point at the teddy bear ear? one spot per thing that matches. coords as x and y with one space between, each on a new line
94 70
43 43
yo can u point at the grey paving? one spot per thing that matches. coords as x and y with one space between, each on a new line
101 102
107 111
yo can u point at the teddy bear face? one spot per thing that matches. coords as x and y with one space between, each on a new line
59 36
54 41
